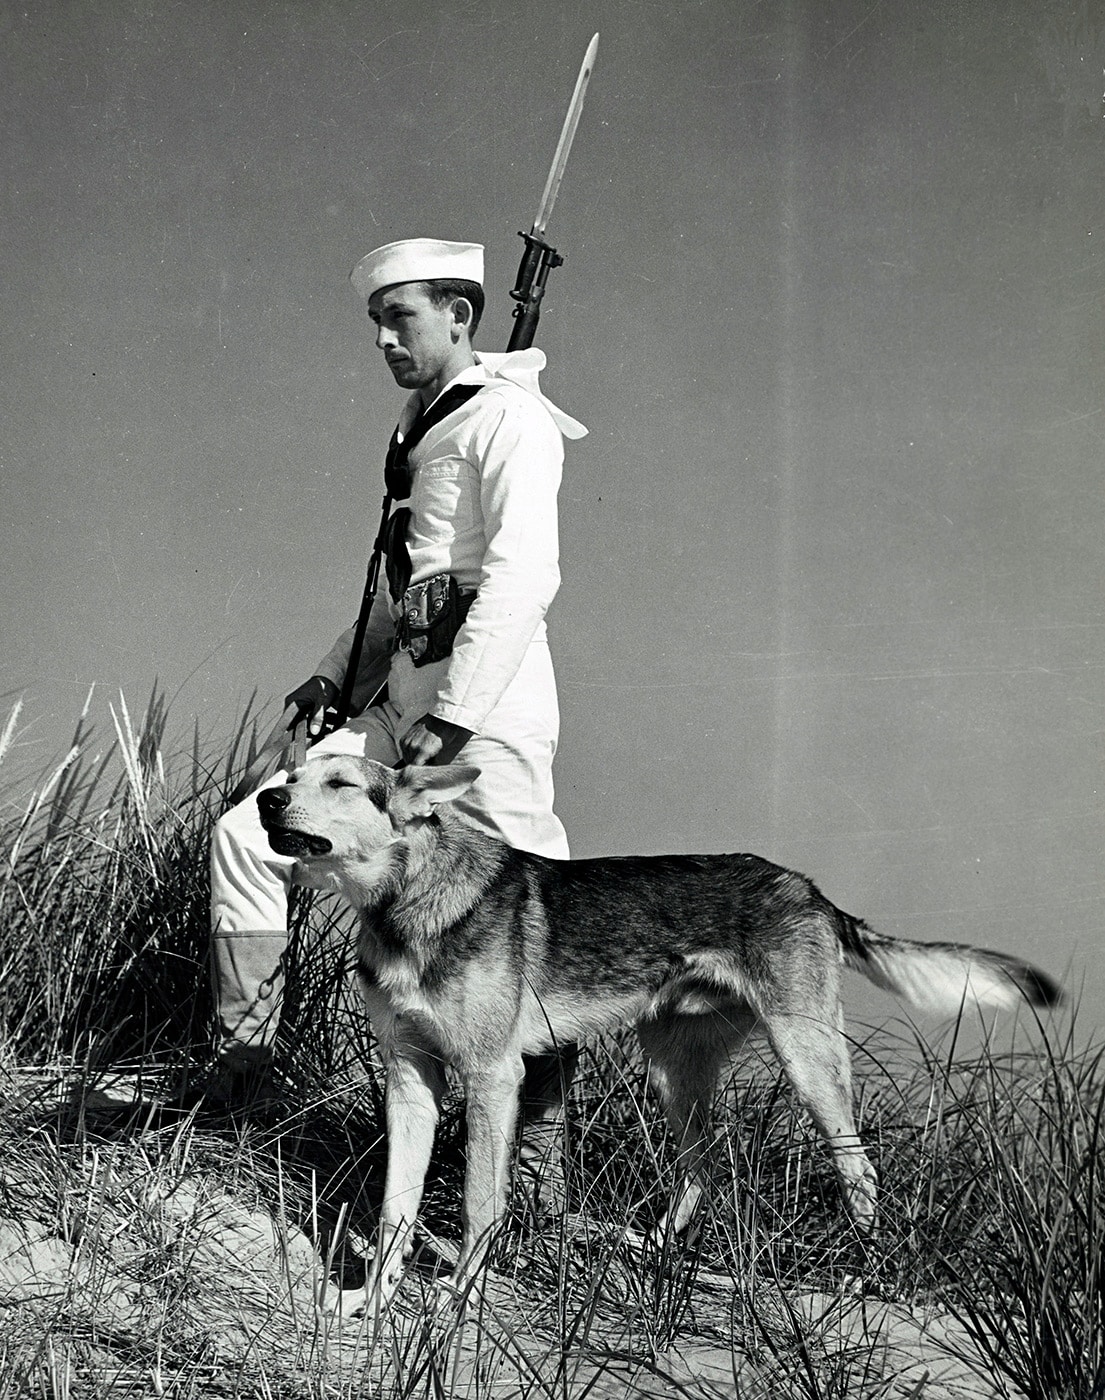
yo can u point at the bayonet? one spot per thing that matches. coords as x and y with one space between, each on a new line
564 145
540 258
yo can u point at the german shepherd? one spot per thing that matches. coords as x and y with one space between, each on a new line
473 954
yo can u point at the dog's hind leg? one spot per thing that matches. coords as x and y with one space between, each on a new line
814 1056
539 1177
686 1054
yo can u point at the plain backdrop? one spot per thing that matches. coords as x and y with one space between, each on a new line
831 307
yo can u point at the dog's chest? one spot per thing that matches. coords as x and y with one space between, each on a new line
467 1010
395 975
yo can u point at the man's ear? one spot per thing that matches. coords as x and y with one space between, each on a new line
419 790
463 312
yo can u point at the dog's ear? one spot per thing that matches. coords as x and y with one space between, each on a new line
419 790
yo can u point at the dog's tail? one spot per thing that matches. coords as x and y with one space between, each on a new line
943 977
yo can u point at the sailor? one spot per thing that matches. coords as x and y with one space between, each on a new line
472 567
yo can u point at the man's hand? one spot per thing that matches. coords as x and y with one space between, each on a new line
430 740
310 700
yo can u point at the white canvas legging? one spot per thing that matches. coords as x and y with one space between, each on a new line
250 883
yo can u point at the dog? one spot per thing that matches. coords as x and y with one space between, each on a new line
472 954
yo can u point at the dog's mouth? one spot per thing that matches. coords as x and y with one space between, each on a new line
288 841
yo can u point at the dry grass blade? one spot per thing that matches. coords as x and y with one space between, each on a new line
7 735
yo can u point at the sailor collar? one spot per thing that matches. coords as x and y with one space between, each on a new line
518 367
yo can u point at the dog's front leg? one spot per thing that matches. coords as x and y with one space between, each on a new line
414 1085
492 1110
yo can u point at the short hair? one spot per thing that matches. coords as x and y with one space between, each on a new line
445 289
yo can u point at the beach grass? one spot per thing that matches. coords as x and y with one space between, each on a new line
151 1252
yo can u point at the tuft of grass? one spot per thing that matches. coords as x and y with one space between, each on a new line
1036 1307
103 894
145 1253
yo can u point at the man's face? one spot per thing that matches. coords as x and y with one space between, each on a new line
416 336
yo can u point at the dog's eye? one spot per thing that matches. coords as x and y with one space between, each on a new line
339 783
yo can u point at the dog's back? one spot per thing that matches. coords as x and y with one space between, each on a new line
475 954
735 925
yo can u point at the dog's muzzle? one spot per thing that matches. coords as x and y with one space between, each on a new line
287 840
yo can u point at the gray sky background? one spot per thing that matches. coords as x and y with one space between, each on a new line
832 309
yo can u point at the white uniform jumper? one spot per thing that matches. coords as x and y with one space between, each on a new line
483 508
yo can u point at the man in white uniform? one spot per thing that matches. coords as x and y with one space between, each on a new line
479 540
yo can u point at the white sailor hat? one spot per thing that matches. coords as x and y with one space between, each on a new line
417 260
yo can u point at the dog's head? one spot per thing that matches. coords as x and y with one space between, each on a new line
338 813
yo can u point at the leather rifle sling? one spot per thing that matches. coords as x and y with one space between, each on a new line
391 539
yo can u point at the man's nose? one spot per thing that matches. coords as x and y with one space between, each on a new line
385 337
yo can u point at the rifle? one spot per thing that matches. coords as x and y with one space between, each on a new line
538 260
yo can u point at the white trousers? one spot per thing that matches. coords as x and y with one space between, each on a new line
250 883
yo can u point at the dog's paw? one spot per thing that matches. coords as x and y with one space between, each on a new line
455 1296
354 1304
345 1304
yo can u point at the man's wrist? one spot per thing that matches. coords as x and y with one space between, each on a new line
445 728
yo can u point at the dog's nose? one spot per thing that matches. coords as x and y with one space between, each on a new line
273 801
